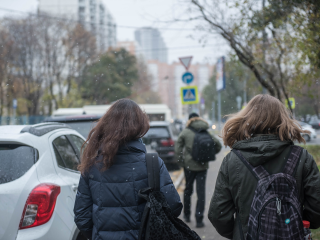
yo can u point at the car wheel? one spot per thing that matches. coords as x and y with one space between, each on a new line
307 137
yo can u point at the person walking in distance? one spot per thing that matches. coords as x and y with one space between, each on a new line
194 149
267 187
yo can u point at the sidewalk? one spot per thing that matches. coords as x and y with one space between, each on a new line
208 232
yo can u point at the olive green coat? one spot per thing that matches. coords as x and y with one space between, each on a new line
183 146
236 185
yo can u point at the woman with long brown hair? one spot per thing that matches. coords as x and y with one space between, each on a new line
262 137
113 170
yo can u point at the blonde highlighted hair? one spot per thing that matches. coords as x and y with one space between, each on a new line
264 114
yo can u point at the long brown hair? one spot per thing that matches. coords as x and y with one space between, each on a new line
123 122
264 114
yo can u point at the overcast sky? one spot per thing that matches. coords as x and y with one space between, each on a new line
182 41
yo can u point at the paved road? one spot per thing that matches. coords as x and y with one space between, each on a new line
208 232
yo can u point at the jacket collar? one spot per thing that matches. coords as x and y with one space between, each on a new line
132 146
195 119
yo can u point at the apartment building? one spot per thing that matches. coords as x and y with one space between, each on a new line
93 14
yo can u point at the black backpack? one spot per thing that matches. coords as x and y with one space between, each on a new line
276 212
158 222
203 148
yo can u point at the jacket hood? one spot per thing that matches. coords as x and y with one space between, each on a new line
261 148
197 123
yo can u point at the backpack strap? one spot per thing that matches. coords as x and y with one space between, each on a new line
153 169
292 161
258 172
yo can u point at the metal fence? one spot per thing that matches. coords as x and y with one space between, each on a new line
21 120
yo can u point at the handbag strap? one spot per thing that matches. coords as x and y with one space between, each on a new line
153 169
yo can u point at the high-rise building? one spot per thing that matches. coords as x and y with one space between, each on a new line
93 14
152 45
167 82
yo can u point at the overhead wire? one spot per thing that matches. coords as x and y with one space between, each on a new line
89 22
139 50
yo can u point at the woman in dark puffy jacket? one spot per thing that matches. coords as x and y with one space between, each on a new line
113 170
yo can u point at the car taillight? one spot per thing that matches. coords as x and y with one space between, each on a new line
40 205
167 142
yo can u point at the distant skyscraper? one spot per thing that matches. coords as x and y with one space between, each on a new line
152 44
93 14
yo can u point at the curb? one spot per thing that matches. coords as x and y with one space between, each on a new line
179 180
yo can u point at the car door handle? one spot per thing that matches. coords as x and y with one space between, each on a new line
74 187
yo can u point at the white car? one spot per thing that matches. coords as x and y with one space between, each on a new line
39 182
308 136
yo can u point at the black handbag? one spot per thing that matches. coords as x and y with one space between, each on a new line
158 221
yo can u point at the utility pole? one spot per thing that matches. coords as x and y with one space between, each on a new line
213 112
219 110
264 39
245 91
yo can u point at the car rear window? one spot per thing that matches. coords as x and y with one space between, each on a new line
15 161
157 132
82 127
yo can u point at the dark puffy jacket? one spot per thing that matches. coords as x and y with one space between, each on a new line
236 185
107 205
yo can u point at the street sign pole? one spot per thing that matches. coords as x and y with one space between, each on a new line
189 95
14 105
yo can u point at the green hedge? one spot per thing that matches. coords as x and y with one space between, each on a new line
314 150
316 234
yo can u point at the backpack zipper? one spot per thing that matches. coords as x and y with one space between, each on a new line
264 206
278 202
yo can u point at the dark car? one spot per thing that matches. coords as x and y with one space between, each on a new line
81 123
161 137
315 123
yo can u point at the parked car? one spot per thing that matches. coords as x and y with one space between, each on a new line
315 123
161 137
81 123
308 136
38 181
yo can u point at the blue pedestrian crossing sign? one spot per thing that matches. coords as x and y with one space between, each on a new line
189 95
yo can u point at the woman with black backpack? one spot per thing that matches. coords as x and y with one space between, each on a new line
113 170
266 185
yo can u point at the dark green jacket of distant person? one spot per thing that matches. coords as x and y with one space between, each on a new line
235 185
183 146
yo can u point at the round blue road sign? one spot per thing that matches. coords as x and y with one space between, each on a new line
187 78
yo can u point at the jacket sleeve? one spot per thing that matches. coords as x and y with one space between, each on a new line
311 185
178 149
169 191
218 145
222 208
83 208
